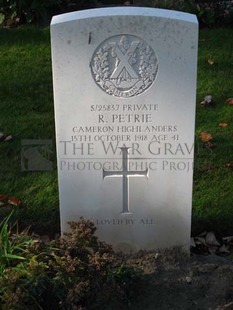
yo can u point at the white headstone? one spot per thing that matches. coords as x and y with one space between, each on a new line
124 91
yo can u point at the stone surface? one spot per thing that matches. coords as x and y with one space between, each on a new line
124 92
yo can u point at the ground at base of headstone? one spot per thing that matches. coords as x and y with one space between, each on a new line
172 281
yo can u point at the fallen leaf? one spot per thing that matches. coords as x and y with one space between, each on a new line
210 145
3 197
188 280
14 201
210 62
228 239
200 241
205 137
208 166
229 101
203 103
211 239
201 248
208 100
223 249
228 306
223 125
229 166
5 138
8 138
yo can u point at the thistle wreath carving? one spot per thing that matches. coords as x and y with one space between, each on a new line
124 66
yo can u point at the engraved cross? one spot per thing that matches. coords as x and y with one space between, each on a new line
125 173
124 61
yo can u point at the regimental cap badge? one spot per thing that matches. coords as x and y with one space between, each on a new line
124 66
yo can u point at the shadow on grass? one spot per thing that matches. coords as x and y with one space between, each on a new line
24 35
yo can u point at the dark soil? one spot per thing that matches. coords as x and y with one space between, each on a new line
173 281
170 280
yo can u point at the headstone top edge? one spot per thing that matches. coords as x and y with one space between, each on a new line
123 11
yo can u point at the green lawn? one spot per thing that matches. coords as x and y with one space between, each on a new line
26 104
213 195
26 112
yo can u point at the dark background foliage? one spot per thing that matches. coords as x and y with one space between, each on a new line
39 12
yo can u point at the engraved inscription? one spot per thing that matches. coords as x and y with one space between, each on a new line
124 66
125 173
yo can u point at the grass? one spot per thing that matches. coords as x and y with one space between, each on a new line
26 112
26 104
212 195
